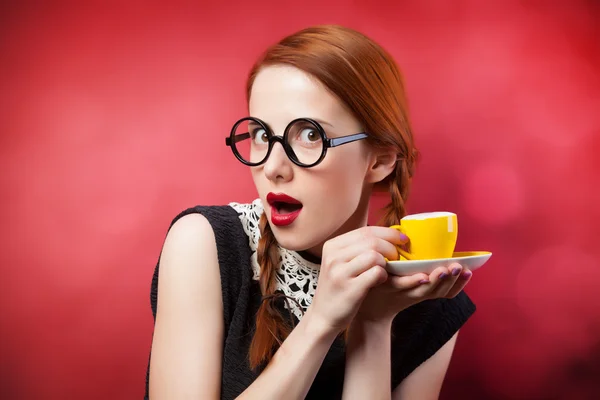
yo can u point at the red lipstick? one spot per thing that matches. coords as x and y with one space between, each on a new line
284 209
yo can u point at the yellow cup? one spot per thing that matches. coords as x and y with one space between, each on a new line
432 235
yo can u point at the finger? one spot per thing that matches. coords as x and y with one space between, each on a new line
373 243
438 275
460 284
426 290
409 281
446 279
363 262
359 235
370 278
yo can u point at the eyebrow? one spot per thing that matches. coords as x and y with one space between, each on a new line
323 122
320 121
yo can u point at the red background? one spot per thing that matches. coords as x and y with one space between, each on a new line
113 118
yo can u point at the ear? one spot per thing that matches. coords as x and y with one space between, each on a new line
383 163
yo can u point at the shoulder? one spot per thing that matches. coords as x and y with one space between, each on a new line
228 233
199 235
227 223
189 251
231 229
195 230
223 215
188 227
213 216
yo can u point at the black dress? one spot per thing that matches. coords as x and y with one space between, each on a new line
417 332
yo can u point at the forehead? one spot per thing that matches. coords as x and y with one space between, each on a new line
283 93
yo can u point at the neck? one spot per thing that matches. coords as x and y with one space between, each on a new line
310 257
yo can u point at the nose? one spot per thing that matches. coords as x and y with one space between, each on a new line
278 166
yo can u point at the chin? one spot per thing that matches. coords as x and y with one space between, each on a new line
291 240
302 235
297 237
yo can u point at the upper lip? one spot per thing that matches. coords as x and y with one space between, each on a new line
273 198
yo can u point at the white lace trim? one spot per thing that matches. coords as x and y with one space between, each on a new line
296 276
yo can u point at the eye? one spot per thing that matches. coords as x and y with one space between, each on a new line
309 135
259 136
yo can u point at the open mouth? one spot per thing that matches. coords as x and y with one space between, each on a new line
286 208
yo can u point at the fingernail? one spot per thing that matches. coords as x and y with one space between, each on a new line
466 275
403 237
424 281
456 271
443 275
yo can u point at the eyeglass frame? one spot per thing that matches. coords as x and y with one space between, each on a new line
327 142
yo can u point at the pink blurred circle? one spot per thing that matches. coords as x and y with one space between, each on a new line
493 193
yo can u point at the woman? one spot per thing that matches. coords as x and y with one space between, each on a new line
238 311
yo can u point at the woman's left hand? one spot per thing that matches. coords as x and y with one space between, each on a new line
397 293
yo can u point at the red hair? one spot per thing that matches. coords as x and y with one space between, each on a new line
367 80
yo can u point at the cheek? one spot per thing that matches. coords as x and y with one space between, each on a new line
341 185
348 171
255 176
257 179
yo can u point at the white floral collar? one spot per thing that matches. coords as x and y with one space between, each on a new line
296 277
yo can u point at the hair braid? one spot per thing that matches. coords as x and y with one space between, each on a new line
271 327
399 187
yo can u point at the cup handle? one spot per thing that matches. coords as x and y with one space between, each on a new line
401 251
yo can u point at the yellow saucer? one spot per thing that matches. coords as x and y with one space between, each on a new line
471 260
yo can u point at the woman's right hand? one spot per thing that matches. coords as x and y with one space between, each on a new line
351 264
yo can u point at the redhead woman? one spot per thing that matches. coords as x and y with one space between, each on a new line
288 297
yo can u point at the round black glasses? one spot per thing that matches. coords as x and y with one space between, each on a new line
304 141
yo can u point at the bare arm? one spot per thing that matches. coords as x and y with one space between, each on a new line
368 361
368 368
294 366
425 382
188 334
188 337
